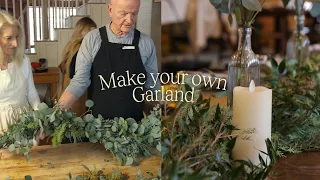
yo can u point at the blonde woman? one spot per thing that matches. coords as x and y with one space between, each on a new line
69 56
17 91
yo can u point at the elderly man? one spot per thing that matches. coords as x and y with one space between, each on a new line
114 61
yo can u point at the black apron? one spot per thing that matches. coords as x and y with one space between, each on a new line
111 57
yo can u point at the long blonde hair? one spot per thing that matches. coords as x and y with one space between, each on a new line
18 56
82 26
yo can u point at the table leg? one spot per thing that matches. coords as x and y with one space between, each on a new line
53 91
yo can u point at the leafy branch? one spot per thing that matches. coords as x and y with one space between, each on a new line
124 138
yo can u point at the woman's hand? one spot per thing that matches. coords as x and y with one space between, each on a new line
36 139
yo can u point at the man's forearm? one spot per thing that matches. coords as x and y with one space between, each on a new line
66 100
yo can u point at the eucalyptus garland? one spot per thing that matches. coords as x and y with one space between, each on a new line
124 138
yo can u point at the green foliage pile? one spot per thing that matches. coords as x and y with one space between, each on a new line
197 144
124 138
296 104
114 175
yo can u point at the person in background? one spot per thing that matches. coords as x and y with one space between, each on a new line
69 55
17 90
120 49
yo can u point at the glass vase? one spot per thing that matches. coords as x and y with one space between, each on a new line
298 44
244 65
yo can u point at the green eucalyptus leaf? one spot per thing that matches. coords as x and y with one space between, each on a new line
11 148
129 161
131 121
114 129
88 118
315 10
134 127
28 159
274 63
237 12
46 111
159 147
109 145
87 134
42 106
108 134
52 117
98 135
282 66
89 103
252 5
93 139
28 177
141 129
150 139
97 123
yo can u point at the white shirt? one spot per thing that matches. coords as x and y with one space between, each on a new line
10 80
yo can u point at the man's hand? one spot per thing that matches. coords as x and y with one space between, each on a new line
66 100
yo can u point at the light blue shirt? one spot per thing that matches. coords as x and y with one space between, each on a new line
90 47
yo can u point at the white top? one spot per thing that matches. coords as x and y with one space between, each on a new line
17 91
12 91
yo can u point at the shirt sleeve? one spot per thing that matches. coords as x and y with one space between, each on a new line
88 49
32 93
151 66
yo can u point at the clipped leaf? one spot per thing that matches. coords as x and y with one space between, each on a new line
93 139
89 103
237 12
274 63
150 139
129 161
47 111
282 66
252 5
231 143
108 134
109 145
114 129
141 129
134 127
42 106
70 176
98 134
88 118
11 148
52 117
97 123
159 147
86 167
28 177
315 10
28 159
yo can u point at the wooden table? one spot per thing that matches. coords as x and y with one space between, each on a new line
304 166
68 158
51 77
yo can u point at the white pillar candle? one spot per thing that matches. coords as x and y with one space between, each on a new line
252 110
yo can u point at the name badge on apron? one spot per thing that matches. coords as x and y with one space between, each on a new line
128 47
